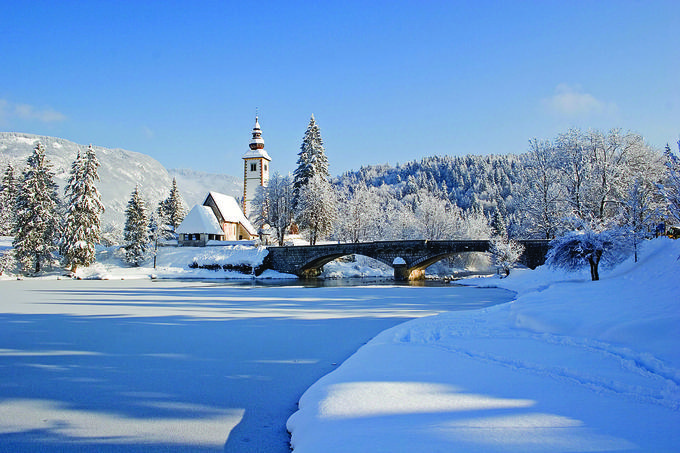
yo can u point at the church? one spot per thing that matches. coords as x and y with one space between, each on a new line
220 218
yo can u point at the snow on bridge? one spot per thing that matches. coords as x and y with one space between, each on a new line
416 255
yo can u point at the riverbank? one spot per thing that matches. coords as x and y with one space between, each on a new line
570 365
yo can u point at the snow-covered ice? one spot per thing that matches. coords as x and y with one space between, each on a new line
571 365
166 366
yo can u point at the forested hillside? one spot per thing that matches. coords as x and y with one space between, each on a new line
611 178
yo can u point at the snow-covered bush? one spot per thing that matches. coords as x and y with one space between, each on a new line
587 246
505 252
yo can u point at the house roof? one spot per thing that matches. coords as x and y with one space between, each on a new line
201 219
230 210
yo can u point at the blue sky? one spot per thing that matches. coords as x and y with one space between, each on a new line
388 81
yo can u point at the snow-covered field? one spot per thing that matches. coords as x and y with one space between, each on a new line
571 365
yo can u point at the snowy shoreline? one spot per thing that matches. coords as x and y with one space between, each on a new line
569 365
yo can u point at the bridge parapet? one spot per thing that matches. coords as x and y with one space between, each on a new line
308 260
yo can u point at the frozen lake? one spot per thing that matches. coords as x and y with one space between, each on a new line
148 366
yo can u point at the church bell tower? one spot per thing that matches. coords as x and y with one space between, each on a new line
255 168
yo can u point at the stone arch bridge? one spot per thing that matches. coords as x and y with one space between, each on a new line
308 260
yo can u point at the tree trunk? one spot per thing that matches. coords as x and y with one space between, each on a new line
594 261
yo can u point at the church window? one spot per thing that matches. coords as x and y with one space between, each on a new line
253 167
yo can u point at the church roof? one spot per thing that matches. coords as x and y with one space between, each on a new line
230 210
201 219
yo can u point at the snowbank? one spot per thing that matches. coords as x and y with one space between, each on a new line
182 262
571 365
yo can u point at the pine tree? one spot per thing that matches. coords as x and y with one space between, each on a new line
8 193
136 230
312 160
82 226
171 212
498 223
36 221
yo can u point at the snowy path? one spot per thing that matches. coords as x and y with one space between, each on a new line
142 366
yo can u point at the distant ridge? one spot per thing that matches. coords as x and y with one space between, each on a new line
120 171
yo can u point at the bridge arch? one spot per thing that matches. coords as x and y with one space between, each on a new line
314 267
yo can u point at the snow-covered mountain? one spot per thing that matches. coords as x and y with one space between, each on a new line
194 185
119 172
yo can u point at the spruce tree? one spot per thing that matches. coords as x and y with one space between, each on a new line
8 193
171 212
498 223
36 221
136 230
82 227
312 160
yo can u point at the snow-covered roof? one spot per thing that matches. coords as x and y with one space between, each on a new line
230 210
256 153
201 219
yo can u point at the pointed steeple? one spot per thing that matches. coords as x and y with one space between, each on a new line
257 142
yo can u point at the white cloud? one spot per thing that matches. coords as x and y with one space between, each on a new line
570 100
10 110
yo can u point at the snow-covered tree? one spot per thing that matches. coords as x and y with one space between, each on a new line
136 230
574 166
498 223
36 214
542 195
82 229
435 217
587 246
359 215
614 158
505 252
7 261
316 208
474 225
9 188
171 212
312 160
639 211
670 188
273 205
